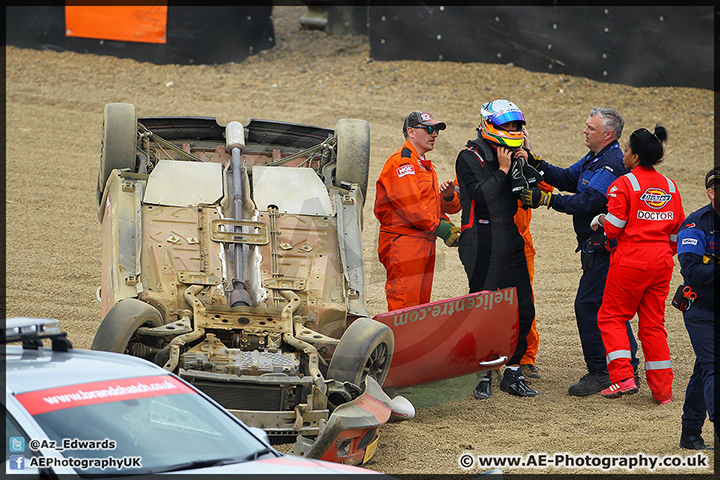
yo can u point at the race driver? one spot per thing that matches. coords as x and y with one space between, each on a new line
491 248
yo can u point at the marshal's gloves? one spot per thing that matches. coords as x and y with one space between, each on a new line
448 232
711 258
534 197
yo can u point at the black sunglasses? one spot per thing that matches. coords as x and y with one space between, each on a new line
429 129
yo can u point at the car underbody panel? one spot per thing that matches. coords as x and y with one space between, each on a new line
232 256
227 259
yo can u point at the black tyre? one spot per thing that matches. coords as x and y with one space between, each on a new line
366 348
118 330
353 153
119 138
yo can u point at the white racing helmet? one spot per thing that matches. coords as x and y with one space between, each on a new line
496 113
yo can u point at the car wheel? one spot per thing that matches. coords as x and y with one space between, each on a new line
119 139
118 330
353 153
366 348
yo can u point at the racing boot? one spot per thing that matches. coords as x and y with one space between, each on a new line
513 382
483 388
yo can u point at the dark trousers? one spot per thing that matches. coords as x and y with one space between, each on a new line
700 392
500 262
587 303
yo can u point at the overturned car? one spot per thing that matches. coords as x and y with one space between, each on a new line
231 256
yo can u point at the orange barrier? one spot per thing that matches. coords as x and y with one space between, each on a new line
147 24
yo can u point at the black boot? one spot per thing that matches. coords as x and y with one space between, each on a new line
691 439
482 390
513 382
591 382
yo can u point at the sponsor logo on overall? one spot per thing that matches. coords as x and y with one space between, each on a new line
405 170
655 198
689 241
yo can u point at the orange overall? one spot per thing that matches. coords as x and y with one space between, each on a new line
644 213
522 220
409 207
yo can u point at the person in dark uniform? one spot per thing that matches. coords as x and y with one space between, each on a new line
588 181
491 249
698 255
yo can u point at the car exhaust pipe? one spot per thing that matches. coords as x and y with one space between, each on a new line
235 144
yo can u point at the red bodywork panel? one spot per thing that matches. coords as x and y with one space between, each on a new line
449 338
351 433
355 446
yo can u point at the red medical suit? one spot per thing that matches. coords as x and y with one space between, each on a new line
644 213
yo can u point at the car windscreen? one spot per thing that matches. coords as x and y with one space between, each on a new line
138 425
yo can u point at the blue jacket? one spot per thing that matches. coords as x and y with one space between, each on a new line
697 238
588 179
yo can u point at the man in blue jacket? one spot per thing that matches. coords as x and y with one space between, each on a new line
588 181
698 255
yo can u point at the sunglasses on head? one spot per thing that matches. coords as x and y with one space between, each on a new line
429 129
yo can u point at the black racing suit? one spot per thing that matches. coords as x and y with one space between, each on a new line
491 248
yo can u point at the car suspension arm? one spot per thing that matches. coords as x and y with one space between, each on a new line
291 339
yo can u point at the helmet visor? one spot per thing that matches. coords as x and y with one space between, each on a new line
508 116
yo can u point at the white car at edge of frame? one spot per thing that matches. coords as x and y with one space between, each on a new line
85 413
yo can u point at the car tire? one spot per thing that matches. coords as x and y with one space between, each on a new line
366 348
121 324
353 153
119 139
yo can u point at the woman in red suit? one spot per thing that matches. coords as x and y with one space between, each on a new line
644 214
